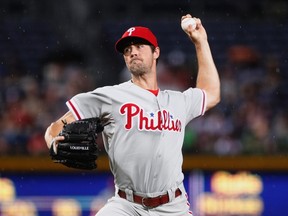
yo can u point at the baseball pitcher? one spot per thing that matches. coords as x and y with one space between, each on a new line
142 127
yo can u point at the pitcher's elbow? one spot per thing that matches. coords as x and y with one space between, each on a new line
212 101
217 100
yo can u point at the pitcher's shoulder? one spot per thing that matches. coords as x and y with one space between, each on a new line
125 85
111 87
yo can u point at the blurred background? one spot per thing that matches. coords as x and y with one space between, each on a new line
52 50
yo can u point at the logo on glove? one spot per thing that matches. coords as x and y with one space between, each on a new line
84 148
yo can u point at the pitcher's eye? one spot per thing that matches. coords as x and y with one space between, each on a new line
140 46
127 50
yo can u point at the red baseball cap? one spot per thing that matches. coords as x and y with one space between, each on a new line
136 34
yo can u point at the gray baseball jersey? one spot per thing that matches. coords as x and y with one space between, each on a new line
146 135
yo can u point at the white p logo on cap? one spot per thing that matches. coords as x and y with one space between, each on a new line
130 30
136 32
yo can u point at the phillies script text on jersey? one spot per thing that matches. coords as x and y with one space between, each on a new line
161 120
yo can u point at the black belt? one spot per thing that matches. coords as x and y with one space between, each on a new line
150 202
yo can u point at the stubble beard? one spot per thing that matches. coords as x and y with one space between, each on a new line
138 69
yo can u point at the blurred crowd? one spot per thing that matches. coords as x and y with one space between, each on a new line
29 103
252 117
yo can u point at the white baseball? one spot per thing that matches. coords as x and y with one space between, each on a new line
188 21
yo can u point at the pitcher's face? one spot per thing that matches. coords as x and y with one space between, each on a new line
139 58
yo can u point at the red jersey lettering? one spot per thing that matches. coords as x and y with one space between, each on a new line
161 120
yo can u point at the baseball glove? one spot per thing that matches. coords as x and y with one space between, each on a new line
79 148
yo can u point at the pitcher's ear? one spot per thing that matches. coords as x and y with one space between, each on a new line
156 52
